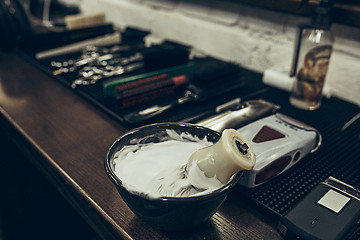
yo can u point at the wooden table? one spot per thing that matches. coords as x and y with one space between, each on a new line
66 138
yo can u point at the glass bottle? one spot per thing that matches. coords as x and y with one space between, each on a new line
311 59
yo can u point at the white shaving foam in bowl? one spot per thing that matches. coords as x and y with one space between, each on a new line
151 168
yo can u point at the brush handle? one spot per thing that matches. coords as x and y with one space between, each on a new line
231 154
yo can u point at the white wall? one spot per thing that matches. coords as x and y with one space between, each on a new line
254 38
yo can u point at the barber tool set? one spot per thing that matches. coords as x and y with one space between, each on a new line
139 83
136 81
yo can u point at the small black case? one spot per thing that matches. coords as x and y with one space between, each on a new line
328 212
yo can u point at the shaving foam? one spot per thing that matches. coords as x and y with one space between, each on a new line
158 169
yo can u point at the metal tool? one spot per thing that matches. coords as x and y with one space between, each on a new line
152 111
95 74
239 115
350 122
92 56
98 63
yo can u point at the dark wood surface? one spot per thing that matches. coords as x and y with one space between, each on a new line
66 137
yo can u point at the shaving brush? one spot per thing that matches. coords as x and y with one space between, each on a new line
231 154
210 167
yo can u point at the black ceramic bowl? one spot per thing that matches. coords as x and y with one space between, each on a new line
168 213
